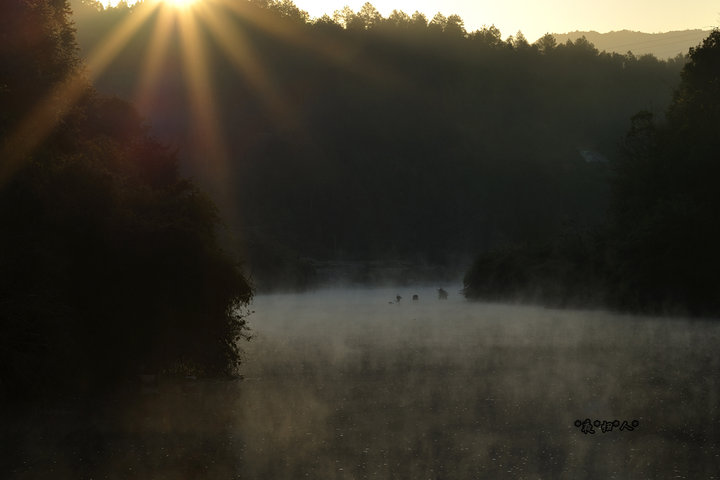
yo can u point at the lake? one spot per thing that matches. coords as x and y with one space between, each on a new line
349 384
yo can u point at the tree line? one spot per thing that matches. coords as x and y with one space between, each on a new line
657 249
398 138
412 139
111 261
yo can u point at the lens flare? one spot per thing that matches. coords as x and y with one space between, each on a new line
181 4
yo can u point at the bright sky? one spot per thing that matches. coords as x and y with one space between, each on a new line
537 17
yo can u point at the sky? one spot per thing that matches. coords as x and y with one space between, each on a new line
535 18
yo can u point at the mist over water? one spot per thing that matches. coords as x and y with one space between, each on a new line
348 383
298 147
343 384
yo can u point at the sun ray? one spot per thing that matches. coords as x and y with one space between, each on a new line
296 33
99 59
41 120
154 58
181 4
45 116
236 47
208 141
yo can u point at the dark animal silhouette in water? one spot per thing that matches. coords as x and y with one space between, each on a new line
415 297
442 294
398 298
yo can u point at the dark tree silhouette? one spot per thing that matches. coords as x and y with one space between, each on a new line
658 250
110 261
398 138
666 210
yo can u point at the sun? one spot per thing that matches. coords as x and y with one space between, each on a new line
182 4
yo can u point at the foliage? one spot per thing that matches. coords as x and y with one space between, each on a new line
566 272
659 251
666 211
110 261
274 266
402 137
38 50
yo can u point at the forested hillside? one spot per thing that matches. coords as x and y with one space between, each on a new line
111 262
658 249
405 138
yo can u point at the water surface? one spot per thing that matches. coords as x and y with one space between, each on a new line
350 384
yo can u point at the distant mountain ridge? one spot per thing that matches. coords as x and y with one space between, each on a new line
662 45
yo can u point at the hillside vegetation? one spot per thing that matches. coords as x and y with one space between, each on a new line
406 138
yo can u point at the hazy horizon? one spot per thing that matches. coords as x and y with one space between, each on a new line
535 19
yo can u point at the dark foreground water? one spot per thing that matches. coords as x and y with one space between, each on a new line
343 384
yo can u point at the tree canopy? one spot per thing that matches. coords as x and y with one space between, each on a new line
657 250
111 261
401 137
666 209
